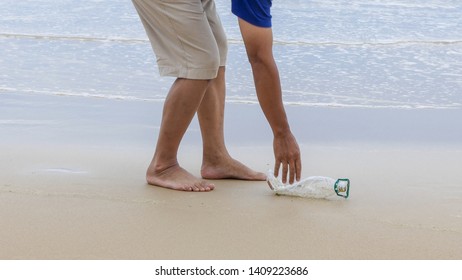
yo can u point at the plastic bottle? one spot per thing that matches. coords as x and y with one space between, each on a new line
311 187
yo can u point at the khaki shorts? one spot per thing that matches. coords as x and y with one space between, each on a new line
187 36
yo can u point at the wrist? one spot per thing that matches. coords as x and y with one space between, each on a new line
281 131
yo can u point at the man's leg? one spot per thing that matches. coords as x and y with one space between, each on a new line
217 163
180 36
180 106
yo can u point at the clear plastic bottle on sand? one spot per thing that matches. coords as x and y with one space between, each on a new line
311 187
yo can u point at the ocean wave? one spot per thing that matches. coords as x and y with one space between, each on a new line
100 95
349 101
234 40
393 4
73 38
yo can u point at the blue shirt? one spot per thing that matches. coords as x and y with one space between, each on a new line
256 12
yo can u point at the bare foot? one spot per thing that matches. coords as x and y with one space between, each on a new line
229 168
176 178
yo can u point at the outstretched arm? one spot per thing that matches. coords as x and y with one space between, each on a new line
259 46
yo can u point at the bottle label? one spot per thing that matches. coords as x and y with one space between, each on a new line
342 187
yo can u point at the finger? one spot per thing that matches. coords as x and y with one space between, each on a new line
285 167
291 171
298 168
277 165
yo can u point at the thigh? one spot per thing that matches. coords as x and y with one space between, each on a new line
217 29
181 36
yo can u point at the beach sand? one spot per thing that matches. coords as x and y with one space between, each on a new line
72 185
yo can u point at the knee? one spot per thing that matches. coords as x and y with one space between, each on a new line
212 59
209 57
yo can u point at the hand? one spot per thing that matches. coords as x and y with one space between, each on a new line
287 154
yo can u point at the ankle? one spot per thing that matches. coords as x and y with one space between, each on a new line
157 167
215 158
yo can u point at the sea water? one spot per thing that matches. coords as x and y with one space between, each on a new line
355 53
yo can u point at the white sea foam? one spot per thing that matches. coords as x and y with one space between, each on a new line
350 102
235 40
101 95
74 38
